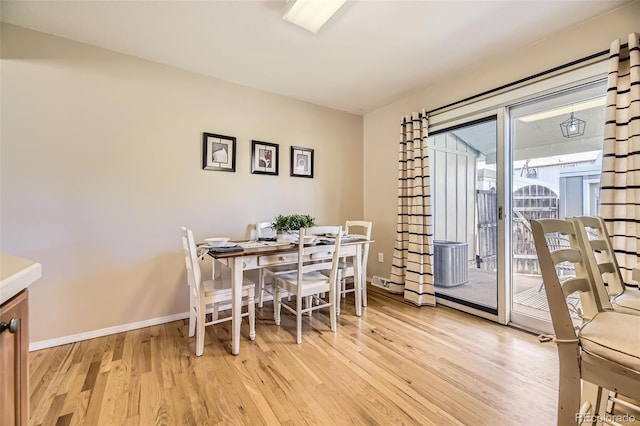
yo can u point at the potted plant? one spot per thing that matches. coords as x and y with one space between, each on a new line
284 225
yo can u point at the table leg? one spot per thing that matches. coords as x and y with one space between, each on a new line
357 279
364 282
236 304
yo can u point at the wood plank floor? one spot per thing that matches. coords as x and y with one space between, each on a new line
396 365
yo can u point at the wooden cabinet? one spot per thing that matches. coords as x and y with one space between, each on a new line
14 348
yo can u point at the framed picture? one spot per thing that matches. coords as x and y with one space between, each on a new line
264 158
218 152
301 162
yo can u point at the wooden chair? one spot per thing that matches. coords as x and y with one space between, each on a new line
307 281
346 269
214 293
604 349
264 230
323 230
360 229
267 275
594 237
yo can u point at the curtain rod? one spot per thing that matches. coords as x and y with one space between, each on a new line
522 80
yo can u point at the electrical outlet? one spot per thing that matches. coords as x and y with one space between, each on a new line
380 258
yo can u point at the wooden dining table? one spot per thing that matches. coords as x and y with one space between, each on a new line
256 255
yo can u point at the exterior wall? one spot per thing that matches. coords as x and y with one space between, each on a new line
102 163
453 184
579 191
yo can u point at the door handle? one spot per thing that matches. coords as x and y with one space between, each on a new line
13 326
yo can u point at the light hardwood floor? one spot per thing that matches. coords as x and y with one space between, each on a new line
397 364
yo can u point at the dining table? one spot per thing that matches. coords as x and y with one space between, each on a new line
241 256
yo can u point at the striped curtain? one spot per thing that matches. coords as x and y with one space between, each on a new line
620 191
411 270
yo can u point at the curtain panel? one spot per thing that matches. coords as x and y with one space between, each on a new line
620 188
411 270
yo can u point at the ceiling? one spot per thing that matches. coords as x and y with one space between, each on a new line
370 54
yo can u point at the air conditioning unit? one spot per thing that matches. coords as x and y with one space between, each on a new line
380 282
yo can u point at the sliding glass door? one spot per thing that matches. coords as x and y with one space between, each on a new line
494 172
465 208
556 150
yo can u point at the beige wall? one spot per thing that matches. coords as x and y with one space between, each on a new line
381 128
101 165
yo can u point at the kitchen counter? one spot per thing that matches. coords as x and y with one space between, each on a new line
16 274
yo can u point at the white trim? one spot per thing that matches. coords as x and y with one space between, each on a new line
73 338
43 344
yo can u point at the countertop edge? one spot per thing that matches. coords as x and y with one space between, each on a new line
17 274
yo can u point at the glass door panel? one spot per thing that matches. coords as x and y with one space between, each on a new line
464 208
556 151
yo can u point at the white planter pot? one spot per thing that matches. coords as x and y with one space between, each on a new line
286 236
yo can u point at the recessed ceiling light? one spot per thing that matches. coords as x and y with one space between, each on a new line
311 14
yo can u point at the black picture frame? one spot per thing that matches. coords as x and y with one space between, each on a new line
265 158
218 152
301 162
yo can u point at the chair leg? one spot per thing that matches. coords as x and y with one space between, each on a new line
299 318
309 304
333 308
364 290
200 330
597 398
252 314
192 321
277 294
570 387
260 287
214 314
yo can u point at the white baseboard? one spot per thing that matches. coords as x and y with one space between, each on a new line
43 344
73 338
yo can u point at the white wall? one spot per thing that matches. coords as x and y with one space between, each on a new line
101 163
382 127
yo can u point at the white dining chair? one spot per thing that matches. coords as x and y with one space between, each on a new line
602 348
353 228
594 236
308 281
264 230
324 230
360 229
597 248
215 293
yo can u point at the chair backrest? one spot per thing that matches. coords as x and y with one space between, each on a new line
362 229
306 252
194 275
597 237
557 291
264 230
323 229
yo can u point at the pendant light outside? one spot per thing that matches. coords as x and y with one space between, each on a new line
573 127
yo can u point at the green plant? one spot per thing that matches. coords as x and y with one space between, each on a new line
292 222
